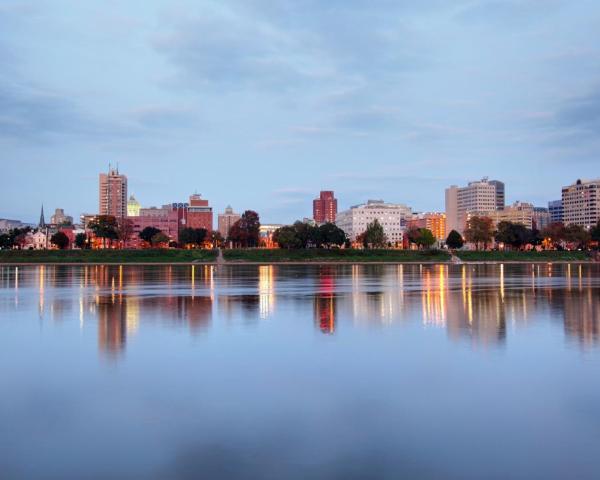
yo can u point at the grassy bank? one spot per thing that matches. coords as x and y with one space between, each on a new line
106 256
323 255
545 256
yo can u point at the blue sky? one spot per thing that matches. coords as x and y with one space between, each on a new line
261 103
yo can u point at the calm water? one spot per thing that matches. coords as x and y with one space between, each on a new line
301 372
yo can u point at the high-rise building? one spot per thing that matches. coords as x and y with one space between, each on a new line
433 221
392 217
59 218
500 193
113 194
325 208
555 208
479 196
200 214
581 203
133 207
226 221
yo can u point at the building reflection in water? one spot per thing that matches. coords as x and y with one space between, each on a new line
480 303
325 300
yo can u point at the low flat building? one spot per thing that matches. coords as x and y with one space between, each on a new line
393 218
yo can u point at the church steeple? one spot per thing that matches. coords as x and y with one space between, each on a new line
42 220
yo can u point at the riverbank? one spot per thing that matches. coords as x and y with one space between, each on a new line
277 256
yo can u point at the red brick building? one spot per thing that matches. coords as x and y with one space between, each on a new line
325 208
199 213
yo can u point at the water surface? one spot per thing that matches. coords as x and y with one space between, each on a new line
273 372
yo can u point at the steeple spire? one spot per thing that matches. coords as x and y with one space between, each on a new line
42 220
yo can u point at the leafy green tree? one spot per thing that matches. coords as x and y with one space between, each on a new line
307 234
245 232
81 240
148 233
330 235
373 236
60 239
479 231
105 227
426 238
159 238
513 234
454 240
287 237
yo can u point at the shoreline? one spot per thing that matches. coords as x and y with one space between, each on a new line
297 263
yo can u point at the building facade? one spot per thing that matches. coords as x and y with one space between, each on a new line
393 218
199 213
581 203
518 212
433 221
113 194
541 218
325 208
133 207
480 196
226 220
556 211
59 218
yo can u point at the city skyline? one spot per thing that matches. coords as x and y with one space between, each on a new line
273 103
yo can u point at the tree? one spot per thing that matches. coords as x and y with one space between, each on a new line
159 238
373 236
125 230
595 233
426 238
60 239
193 236
104 227
479 231
330 235
307 234
6 241
454 240
216 238
81 240
148 233
513 234
577 235
287 237
245 232
555 232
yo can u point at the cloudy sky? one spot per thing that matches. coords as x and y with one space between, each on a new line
262 103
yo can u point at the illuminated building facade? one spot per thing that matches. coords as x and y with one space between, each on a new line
581 203
325 208
435 222
133 207
518 212
113 194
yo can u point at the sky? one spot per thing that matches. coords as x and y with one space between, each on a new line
261 104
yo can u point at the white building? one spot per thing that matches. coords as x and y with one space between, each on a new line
581 203
480 196
392 217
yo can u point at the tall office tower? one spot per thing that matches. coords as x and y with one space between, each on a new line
226 221
581 203
325 208
479 196
500 193
555 208
113 194
393 218
199 214
133 207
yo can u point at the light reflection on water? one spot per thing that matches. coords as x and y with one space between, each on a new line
235 339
